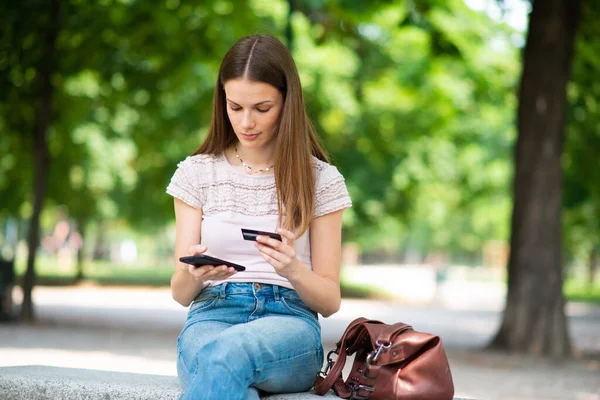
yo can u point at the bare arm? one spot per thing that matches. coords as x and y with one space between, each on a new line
188 281
319 288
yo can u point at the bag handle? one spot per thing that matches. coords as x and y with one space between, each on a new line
325 381
385 335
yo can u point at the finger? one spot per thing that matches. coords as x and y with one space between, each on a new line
283 249
278 256
219 273
269 241
200 271
224 275
288 235
197 249
274 262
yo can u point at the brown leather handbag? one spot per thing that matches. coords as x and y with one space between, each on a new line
392 362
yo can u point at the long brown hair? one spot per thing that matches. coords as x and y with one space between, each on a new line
265 59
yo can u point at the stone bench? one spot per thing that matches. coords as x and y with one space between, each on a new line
36 382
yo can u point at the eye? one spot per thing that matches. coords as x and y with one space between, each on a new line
263 110
233 108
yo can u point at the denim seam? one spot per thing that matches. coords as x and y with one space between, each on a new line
287 360
233 376
301 312
282 364
181 362
208 304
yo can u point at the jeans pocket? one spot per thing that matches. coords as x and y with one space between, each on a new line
297 307
203 303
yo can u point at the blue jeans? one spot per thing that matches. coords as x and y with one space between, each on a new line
242 339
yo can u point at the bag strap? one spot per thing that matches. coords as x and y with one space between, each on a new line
325 381
385 335
383 340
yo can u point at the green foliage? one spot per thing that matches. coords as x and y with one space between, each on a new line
414 101
19 54
581 160
416 109
133 91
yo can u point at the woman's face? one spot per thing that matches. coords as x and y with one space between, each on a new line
253 109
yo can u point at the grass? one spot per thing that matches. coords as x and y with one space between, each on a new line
581 291
356 291
48 272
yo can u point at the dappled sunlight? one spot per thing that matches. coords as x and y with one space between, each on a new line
96 360
456 158
131 330
581 395
111 297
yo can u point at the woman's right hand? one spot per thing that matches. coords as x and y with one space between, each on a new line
207 272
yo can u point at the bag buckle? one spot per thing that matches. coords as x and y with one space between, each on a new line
374 355
330 363
357 388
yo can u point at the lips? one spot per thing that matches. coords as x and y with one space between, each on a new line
250 135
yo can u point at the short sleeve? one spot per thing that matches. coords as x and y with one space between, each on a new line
331 194
185 184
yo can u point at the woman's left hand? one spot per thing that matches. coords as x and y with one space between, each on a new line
281 255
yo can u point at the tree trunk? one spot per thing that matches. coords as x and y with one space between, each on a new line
6 286
592 267
7 270
100 251
40 154
289 31
534 319
81 229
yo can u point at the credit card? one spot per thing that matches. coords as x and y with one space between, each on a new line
250 234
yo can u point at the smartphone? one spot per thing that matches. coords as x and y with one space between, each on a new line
202 259
250 234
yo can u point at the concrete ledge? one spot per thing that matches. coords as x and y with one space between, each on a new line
45 383
37 382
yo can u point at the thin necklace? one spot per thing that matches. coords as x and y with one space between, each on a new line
252 170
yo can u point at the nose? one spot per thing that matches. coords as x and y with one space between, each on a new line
247 121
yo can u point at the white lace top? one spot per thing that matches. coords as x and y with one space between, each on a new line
231 200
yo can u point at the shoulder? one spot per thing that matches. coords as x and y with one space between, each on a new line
192 177
320 165
199 166
325 173
197 170
331 193
199 161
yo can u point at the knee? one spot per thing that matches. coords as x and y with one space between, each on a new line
232 354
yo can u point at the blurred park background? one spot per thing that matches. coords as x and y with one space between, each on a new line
468 132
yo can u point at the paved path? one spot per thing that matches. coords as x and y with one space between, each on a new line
134 330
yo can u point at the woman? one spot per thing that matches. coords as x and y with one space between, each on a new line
261 167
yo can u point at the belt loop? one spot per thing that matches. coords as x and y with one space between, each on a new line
275 292
223 292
